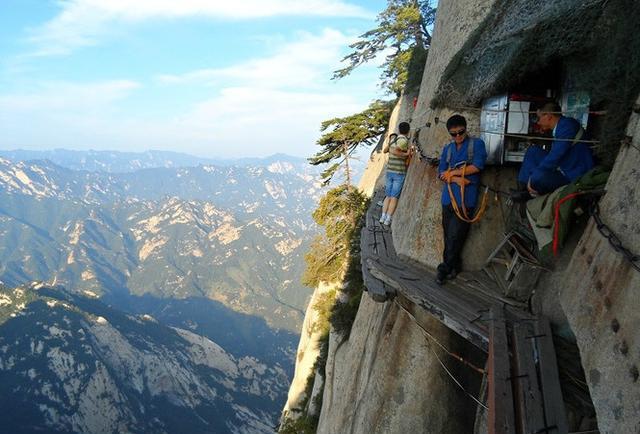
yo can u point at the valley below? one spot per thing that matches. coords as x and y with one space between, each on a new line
137 298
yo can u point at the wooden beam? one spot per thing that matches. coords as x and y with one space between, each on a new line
528 396
442 303
500 397
484 283
371 244
555 413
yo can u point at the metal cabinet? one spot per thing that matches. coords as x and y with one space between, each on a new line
508 123
493 122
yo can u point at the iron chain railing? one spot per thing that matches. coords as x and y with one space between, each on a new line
423 157
613 239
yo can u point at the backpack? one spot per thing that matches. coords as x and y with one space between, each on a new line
407 160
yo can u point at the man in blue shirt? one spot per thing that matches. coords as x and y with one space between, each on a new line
543 172
460 166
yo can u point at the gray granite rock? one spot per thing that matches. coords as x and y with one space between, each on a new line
600 299
386 379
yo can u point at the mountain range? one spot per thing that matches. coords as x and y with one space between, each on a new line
119 162
71 364
234 234
170 294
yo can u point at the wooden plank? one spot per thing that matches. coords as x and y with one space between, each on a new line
377 289
484 283
491 270
456 295
528 397
481 279
426 289
554 409
472 294
368 246
462 292
471 332
500 398
374 243
388 251
476 299
458 305
446 311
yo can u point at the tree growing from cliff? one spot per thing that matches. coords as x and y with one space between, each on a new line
403 30
339 214
343 135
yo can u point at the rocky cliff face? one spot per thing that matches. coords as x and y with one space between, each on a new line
385 378
417 231
600 298
306 356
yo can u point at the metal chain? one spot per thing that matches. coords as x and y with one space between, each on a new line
423 157
613 239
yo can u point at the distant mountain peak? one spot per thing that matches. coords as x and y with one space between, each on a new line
123 162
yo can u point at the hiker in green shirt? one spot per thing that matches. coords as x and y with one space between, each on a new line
398 149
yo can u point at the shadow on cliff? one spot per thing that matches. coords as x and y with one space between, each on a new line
238 333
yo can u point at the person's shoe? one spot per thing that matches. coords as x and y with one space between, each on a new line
441 273
387 221
382 219
452 275
519 195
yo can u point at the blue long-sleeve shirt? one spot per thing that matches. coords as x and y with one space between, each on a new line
572 160
458 157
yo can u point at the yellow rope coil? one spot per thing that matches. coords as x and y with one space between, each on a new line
462 214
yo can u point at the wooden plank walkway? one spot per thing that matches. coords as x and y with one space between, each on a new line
524 395
500 397
462 304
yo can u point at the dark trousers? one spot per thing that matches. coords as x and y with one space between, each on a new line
455 234
542 181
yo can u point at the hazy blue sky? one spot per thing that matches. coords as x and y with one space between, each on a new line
212 78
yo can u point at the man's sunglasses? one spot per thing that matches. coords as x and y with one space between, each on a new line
457 133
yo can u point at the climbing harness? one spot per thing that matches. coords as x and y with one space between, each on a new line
462 213
433 161
461 210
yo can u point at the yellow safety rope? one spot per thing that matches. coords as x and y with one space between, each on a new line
456 208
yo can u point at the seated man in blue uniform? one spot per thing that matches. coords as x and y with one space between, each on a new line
543 172
460 166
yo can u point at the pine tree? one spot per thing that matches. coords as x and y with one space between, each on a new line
343 135
402 27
